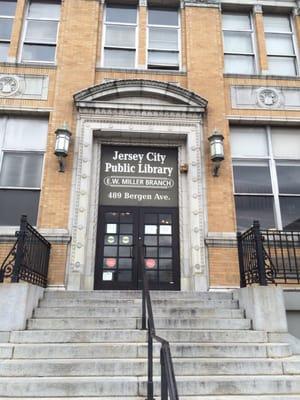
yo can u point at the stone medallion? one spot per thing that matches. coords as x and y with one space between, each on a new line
9 85
268 97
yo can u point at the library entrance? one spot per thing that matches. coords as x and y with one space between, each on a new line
138 218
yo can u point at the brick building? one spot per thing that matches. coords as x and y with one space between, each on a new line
141 86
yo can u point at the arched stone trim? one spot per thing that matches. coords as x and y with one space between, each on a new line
168 92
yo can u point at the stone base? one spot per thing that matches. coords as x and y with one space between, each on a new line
17 301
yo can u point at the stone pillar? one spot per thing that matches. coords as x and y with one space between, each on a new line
264 305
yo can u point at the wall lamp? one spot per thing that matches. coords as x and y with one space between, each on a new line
216 151
62 143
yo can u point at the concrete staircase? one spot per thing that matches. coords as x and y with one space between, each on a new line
88 345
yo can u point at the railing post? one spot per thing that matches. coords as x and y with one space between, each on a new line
241 260
259 254
20 250
144 307
150 366
163 380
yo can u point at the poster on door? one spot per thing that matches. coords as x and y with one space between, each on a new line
139 176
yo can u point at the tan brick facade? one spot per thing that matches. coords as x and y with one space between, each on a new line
78 67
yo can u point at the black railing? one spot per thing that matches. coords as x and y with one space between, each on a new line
268 256
168 381
29 257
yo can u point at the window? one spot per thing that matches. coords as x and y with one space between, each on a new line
41 29
7 12
280 45
163 38
22 146
266 169
238 43
120 36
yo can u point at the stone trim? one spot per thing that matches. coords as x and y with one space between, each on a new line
181 72
258 120
221 239
263 77
23 86
168 91
262 97
130 124
52 238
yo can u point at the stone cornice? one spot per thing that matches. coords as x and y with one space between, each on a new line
175 95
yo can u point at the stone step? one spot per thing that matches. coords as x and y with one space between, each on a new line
54 302
95 336
133 350
132 323
138 367
6 350
111 386
113 312
136 294
79 336
4 337
245 397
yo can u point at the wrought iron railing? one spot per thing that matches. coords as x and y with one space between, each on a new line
168 381
268 256
29 257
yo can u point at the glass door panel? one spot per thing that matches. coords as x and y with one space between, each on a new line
135 239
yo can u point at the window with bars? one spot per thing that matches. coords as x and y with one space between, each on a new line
120 31
7 13
22 147
266 170
163 38
238 38
280 45
40 31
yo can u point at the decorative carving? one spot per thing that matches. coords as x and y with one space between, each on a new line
9 85
24 86
268 97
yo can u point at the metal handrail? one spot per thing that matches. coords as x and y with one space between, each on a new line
28 259
168 380
268 256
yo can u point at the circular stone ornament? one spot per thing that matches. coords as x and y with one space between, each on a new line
9 85
268 97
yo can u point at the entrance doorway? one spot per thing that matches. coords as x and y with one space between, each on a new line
138 218
135 239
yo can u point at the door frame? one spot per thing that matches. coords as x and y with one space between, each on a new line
100 122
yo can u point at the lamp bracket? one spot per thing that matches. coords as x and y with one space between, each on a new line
216 167
61 162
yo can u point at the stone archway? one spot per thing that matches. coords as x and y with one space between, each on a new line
135 112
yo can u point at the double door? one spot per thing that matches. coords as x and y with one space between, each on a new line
131 240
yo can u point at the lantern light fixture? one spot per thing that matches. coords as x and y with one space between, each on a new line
216 150
62 143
